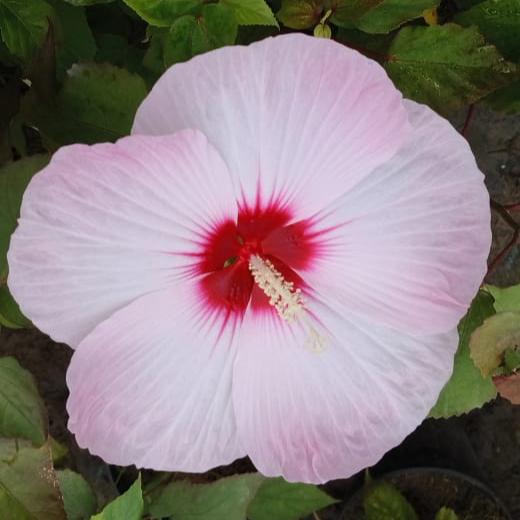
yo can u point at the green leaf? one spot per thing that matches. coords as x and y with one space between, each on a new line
114 49
446 513
283 500
10 314
446 66
14 178
506 99
74 39
379 16
499 22
251 12
382 501
190 36
22 413
506 299
489 342
28 485
79 499
97 103
154 57
24 25
300 14
467 388
129 506
511 360
323 30
58 450
163 13
375 46
226 499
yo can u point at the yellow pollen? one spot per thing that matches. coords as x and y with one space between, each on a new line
282 295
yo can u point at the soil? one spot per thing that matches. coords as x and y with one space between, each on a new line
484 444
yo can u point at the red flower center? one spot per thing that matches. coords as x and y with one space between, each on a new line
228 283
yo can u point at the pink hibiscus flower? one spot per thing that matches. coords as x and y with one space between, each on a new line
278 271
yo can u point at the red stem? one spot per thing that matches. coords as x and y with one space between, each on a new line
469 117
512 207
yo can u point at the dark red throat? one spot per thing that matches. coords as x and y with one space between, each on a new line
228 284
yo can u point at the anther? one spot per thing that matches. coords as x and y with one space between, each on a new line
282 295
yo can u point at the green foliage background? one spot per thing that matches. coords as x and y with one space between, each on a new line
75 71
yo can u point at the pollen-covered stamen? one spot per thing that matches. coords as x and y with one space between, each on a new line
282 294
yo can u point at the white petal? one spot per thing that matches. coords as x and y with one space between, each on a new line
315 416
104 224
297 119
151 386
408 246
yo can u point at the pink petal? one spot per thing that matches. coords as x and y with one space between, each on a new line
105 224
297 119
314 416
151 386
407 247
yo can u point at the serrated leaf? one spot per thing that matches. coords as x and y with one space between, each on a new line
24 25
446 66
300 14
163 13
506 298
74 39
190 36
251 12
78 498
382 501
467 388
283 500
22 413
225 499
506 99
129 506
14 178
97 103
489 341
29 488
499 22
446 513
379 16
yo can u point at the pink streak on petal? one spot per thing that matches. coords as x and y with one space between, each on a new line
312 417
151 386
105 224
411 240
300 118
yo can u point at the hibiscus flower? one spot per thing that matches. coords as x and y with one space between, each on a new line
273 265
